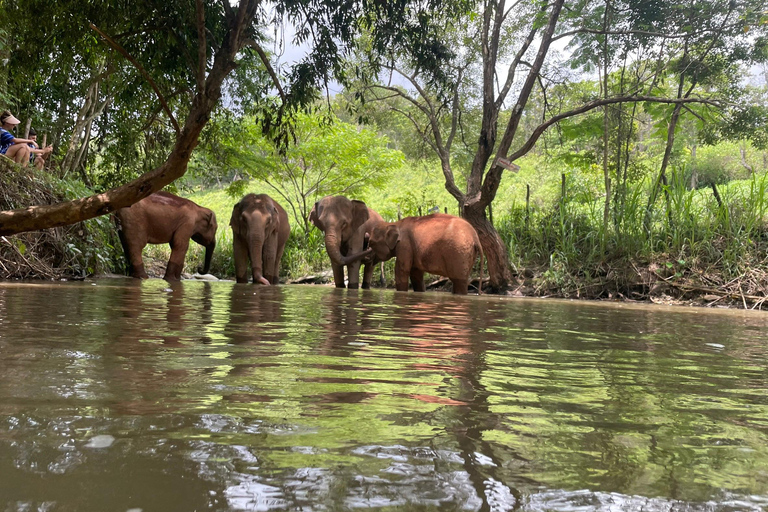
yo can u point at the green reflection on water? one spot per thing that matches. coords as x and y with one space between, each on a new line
309 396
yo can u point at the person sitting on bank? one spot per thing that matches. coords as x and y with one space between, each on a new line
39 156
11 147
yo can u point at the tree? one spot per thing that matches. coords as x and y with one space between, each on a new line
518 38
328 157
203 43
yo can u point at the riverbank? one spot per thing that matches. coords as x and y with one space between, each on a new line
657 284
704 253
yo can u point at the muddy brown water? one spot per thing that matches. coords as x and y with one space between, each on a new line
120 395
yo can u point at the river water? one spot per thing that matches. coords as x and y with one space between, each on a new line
120 395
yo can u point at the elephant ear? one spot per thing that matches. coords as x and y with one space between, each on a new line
360 214
314 216
209 217
392 237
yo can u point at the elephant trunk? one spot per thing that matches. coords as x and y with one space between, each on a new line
333 247
208 256
352 258
256 251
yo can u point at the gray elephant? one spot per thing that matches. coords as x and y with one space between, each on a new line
260 229
346 224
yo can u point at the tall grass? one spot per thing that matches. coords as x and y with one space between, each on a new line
569 240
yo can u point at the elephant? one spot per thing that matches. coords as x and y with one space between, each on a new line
346 224
439 244
165 218
260 229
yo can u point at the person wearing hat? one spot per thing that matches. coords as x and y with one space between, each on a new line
10 146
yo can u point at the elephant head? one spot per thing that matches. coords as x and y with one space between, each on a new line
382 243
205 235
339 218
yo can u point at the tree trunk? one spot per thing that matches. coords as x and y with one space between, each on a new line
90 99
694 172
606 170
76 165
493 246
743 153
662 179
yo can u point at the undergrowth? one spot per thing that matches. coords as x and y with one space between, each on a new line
78 250
694 242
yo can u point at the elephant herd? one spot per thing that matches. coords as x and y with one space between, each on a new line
355 236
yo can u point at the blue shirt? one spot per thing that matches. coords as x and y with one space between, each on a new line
6 139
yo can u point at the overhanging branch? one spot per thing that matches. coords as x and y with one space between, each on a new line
265 60
493 178
122 51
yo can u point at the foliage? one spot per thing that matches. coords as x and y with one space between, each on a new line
328 157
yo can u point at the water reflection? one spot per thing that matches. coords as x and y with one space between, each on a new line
239 397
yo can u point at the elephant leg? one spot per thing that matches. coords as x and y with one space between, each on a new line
402 272
133 256
179 246
460 286
240 252
268 255
353 274
338 275
368 275
417 280
278 259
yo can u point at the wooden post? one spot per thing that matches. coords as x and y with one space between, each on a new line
446 210
419 211
527 204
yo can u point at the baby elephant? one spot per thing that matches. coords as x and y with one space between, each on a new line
439 244
260 228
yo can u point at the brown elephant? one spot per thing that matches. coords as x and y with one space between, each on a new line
346 224
260 229
162 218
439 244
